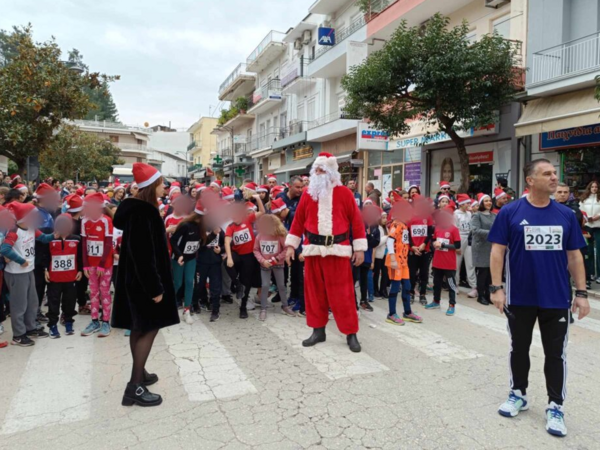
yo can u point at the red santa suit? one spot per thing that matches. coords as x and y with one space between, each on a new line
328 281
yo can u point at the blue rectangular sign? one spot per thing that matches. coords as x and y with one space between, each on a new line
570 138
327 36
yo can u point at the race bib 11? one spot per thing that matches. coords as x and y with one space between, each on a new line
543 238
95 248
63 263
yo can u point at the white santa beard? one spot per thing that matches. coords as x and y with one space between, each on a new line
322 184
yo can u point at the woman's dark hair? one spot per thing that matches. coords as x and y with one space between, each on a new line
415 187
588 190
12 196
148 194
199 221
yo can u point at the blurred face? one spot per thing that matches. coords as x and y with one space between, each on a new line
487 203
562 194
63 226
134 190
405 196
264 226
544 179
401 212
443 203
371 215
238 212
32 220
594 188
7 220
444 219
50 201
297 186
93 211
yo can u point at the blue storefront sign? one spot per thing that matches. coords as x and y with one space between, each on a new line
586 136
327 36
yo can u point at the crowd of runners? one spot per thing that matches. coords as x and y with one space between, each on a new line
61 256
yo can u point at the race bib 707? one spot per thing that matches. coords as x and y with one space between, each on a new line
543 238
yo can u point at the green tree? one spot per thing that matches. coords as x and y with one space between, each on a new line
76 154
434 74
38 92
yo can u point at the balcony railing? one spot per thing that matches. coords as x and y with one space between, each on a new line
105 124
271 90
293 128
240 149
191 146
132 147
330 118
273 36
566 60
377 7
226 152
341 35
271 135
296 71
237 72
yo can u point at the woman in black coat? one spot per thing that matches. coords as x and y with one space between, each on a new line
145 297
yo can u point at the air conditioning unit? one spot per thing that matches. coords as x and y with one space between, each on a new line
496 3
298 44
306 37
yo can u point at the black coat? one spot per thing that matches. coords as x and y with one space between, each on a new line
144 270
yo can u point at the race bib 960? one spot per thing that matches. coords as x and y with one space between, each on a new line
543 238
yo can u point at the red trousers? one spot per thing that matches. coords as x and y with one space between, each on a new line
328 283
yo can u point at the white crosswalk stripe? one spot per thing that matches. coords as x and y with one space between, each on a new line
594 304
417 336
207 370
56 385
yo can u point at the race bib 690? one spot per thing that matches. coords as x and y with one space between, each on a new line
543 238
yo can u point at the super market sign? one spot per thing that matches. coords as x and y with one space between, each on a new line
440 136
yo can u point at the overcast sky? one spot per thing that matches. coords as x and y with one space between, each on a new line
172 55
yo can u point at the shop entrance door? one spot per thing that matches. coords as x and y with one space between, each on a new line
481 179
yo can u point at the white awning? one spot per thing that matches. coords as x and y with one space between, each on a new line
296 165
571 110
141 137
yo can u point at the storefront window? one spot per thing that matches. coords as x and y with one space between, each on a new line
580 167
397 176
393 157
374 158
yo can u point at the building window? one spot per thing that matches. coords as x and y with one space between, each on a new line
114 139
502 26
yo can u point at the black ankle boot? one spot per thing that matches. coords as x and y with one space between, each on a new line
353 343
149 378
317 336
138 394
483 301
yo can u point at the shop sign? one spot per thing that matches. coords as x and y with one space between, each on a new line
412 173
368 138
570 138
303 153
440 136
481 157
357 163
326 36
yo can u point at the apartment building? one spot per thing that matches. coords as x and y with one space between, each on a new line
560 120
203 148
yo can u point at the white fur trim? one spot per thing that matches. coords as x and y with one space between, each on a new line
292 241
197 211
325 214
500 195
262 190
281 208
75 209
360 245
228 197
330 162
344 251
464 202
150 180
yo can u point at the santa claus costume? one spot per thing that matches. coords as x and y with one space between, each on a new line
327 217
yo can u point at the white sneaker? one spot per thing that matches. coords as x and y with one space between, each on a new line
250 306
187 317
555 420
516 403
472 294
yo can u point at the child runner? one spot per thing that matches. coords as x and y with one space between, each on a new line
74 206
185 242
7 222
97 249
269 250
371 216
181 208
239 247
419 257
398 244
446 242
19 250
209 267
64 269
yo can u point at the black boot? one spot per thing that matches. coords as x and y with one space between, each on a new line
483 301
384 293
317 336
353 343
138 394
149 378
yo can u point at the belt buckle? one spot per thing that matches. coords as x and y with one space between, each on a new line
329 240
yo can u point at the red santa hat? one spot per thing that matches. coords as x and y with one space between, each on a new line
278 205
251 187
272 177
21 210
251 206
15 176
44 190
304 177
452 205
96 199
498 193
80 192
444 185
263 188
199 208
474 202
175 196
22 188
444 196
216 184
144 174
396 196
387 202
368 202
326 161
174 190
119 187
106 199
481 197
176 184
450 208
200 187
227 193
276 190
463 199
525 193
74 203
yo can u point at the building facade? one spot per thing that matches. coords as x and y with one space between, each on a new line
203 148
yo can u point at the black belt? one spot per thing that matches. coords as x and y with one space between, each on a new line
327 241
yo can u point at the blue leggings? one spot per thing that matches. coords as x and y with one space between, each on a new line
394 290
185 274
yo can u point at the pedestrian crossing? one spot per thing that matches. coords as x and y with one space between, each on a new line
58 384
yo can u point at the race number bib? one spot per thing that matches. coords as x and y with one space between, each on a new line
241 237
443 241
63 263
29 252
191 247
269 247
405 239
214 243
465 226
357 200
543 238
95 248
419 230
